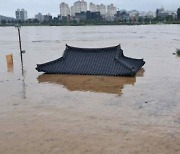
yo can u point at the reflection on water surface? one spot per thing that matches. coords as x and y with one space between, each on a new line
89 83
100 84
10 67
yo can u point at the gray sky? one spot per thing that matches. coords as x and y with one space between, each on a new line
8 7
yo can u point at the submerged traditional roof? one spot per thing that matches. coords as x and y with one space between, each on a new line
108 61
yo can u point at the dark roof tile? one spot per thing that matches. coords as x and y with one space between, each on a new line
108 61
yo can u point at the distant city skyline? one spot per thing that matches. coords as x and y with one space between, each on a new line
8 7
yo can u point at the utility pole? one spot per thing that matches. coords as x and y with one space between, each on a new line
21 52
20 46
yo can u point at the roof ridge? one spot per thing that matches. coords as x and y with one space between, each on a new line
126 65
110 47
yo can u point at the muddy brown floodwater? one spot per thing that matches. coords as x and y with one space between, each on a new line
41 113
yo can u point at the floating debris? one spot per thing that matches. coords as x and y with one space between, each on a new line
178 52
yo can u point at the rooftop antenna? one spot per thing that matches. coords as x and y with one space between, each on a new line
20 46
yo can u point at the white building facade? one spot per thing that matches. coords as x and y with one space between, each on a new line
21 14
39 17
111 10
92 7
79 6
102 9
64 9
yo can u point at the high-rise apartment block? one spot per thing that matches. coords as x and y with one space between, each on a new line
102 9
72 11
39 17
162 13
92 7
97 8
48 17
17 13
21 14
111 10
178 13
64 9
80 6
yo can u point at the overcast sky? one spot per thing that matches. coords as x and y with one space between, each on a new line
8 7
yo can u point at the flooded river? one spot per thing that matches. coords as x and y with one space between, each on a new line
42 113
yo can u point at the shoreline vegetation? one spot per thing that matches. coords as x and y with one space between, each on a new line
32 23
